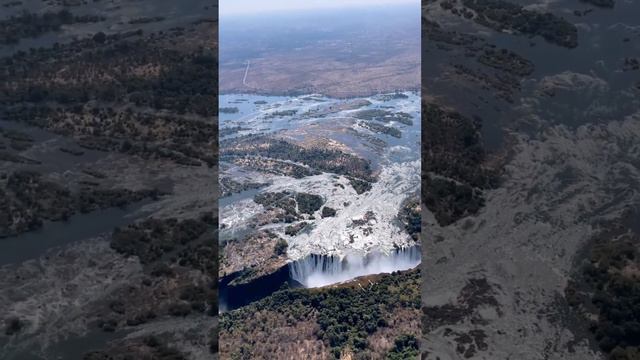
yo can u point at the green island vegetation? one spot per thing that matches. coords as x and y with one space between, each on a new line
281 247
328 212
308 203
179 258
226 131
151 239
359 185
27 200
507 61
450 201
169 250
127 132
455 147
137 95
109 106
276 167
384 116
293 230
605 291
177 87
435 32
281 113
394 96
29 25
228 186
291 203
502 15
382 129
284 200
511 66
504 84
346 316
410 215
327 160
455 174
229 110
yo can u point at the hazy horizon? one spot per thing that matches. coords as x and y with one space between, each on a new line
253 7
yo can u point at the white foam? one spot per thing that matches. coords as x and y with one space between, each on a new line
322 270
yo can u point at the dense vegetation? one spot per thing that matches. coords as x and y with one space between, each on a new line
274 166
510 67
454 147
28 25
293 230
151 239
328 212
453 164
411 217
229 186
129 132
281 247
360 186
27 200
142 95
384 116
502 15
404 347
450 200
606 289
180 263
229 110
309 203
317 158
226 131
506 60
347 315
284 200
382 129
104 92
280 113
394 96
98 72
293 205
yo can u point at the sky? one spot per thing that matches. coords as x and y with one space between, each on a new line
248 7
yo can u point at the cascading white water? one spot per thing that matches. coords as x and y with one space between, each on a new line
321 270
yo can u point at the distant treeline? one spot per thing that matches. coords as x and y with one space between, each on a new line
29 24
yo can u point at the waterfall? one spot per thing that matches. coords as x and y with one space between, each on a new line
321 270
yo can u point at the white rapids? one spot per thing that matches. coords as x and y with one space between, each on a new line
322 270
